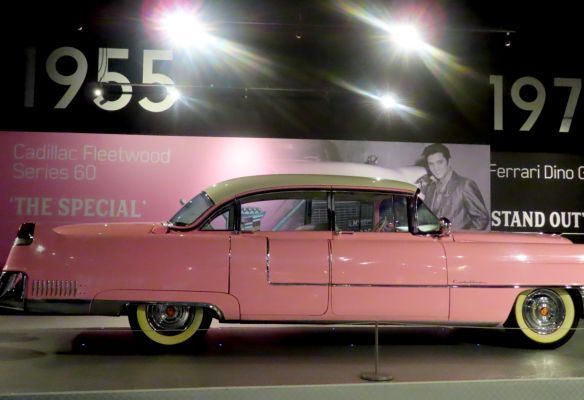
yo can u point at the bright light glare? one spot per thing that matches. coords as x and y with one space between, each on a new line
184 29
98 92
407 37
173 92
388 102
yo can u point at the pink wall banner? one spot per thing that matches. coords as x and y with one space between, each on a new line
66 178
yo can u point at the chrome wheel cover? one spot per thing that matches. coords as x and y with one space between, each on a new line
544 311
169 319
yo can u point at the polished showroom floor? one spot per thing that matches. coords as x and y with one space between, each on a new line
40 354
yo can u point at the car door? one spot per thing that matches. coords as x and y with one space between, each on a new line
380 271
279 264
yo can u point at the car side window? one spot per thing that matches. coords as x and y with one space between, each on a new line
370 212
222 221
285 211
426 220
400 213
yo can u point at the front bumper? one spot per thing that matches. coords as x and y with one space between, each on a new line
12 289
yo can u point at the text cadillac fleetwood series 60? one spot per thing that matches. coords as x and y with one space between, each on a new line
298 248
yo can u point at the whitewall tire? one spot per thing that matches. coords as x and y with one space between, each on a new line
167 324
546 317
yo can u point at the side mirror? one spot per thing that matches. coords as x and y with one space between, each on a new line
445 226
182 202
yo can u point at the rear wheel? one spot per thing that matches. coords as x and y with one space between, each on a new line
546 318
168 324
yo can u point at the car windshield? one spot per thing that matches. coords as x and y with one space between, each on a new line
192 210
427 221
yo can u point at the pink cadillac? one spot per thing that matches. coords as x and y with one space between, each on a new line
298 248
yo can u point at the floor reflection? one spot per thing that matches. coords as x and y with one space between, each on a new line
59 355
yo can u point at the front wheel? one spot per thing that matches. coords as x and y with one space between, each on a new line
546 318
169 324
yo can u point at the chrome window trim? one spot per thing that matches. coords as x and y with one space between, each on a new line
196 224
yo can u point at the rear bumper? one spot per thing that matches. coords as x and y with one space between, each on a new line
581 290
12 289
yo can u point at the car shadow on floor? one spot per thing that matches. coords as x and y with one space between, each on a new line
269 340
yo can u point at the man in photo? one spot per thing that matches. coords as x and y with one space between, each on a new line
450 195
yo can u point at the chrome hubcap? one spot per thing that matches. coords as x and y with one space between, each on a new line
169 319
544 311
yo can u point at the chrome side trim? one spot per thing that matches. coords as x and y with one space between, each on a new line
268 259
229 263
357 323
25 234
12 290
387 286
54 288
581 288
298 284
330 262
217 311
432 286
210 306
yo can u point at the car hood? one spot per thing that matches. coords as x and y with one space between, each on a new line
508 237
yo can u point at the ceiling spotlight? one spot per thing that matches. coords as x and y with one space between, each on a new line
407 37
173 93
388 102
507 41
184 29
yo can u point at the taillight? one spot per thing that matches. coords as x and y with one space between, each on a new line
25 234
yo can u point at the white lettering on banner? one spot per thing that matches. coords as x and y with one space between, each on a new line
553 172
565 219
46 152
76 78
93 153
546 172
33 205
79 172
21 171
77 207
518 219
537 219
516 172
27 159
102 208
535 102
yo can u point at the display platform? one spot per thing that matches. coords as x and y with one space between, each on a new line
99 358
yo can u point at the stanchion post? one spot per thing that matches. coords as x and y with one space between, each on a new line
376 376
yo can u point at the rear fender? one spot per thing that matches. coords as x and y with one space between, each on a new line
225 306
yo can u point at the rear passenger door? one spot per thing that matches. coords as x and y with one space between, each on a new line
279 262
